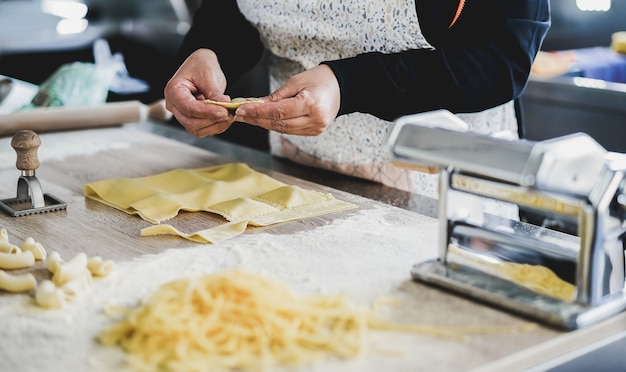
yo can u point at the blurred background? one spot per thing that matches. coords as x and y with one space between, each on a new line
39 36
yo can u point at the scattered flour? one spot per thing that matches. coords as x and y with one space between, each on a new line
365 255
58 146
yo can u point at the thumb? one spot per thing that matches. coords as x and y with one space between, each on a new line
285 91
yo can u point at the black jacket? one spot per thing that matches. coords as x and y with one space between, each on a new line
482 61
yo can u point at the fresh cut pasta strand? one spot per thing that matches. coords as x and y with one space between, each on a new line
238 320
225 317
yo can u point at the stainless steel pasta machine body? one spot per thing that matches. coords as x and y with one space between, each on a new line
573 183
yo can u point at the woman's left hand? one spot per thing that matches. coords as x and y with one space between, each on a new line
305 105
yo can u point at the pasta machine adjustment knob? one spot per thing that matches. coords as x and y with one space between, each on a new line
30 197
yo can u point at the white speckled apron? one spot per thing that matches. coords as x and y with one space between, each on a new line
302 33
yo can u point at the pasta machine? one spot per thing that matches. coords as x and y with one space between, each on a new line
535 228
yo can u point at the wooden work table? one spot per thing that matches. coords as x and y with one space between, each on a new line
400 228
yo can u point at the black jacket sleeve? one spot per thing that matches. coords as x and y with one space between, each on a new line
219 25
482 61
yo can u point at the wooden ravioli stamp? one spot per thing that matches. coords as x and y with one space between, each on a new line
30 197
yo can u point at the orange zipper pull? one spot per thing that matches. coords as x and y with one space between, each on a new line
458 13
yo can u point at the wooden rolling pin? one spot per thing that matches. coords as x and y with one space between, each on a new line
49 119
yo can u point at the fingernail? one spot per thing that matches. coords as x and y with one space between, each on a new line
240 112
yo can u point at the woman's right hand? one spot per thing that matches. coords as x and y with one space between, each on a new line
200 77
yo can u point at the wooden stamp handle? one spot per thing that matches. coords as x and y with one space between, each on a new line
26 143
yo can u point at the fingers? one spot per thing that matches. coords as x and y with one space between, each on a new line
197 117
199 77
300 115
305 105
186 107
204 130
286 116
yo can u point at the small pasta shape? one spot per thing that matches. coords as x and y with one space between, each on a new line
115 310
49 296
70 269
99 267
29 244
20 260
53 262
7 247
17 283
78 284
4 235
69 278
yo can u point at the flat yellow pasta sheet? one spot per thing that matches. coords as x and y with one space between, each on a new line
234 191
539 278
211 235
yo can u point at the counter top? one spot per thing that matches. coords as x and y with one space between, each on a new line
365 253
367 189
583 349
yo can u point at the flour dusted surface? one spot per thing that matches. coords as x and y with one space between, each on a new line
365 255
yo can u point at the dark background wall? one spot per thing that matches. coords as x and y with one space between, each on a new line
572 28
148 33
559 106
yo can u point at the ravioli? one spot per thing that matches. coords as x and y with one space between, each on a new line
234 103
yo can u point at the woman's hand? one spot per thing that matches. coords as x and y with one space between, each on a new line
200 77
305 105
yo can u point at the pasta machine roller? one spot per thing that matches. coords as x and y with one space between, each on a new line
30 197
535 228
